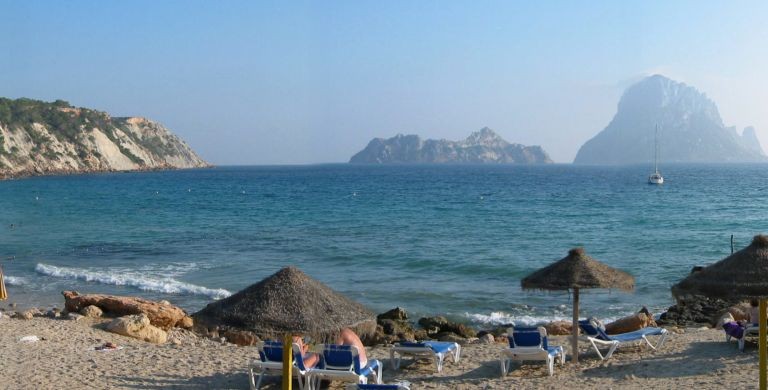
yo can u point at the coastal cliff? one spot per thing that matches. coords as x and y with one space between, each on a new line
40 138
690 129
484 146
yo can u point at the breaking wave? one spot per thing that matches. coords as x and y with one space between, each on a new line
142 282
502 318
15 280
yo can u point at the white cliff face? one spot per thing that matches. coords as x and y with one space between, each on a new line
690 129
71 140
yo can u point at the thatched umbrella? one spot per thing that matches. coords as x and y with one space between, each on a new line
574 272
290 302
742 275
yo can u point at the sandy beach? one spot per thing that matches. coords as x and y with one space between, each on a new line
65 358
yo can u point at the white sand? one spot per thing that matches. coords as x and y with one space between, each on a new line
694 358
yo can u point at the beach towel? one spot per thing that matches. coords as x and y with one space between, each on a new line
733 329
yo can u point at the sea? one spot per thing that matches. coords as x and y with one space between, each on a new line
451 240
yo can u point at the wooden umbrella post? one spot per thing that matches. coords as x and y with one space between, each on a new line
575 330
287 361
762 345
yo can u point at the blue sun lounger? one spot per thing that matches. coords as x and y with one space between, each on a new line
396 386
437 350
596 335
342 362
271 363
530 344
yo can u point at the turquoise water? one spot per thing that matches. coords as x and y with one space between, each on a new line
452 240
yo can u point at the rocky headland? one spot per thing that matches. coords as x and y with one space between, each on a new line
41 138
481 147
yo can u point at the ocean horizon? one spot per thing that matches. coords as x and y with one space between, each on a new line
451 240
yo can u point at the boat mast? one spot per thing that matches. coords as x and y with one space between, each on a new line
656 150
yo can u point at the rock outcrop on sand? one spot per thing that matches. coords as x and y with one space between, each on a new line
162 315
138 327
690 129
39 138
484 146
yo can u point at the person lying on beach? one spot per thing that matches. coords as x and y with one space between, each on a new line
310 358
754 311
349 337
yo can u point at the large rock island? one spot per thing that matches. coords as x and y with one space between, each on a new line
690 129
483 146
38 138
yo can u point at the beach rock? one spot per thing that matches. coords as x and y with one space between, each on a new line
75 316
486 339
452 337
439 324
559 328
433 324
420 334
396 314
53 314
739 312
139 327
164 316
242 338
91 311
186 323
695 309
25 315
178 336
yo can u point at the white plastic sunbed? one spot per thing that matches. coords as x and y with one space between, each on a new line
437 350
530 344
596 335
342 362
271 363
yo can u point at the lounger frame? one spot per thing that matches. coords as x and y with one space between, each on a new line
398 351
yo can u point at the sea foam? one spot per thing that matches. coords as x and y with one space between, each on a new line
502 318
142 282
15 280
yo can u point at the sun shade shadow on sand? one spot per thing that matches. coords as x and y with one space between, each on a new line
700 358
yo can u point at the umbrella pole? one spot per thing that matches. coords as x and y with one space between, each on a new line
761 344
287 361
575 329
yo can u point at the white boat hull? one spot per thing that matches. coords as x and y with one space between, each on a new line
655 179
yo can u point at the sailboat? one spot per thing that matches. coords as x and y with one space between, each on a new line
655 177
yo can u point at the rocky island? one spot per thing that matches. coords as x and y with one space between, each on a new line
484 146
40 138
690 129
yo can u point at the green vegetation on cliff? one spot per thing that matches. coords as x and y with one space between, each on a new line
38 137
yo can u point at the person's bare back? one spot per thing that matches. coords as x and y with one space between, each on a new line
348 337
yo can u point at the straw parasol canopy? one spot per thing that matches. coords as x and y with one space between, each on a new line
742 275
577 270
289 302
574 272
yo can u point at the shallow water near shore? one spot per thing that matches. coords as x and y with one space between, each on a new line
452 240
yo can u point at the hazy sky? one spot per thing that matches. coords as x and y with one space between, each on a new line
247 82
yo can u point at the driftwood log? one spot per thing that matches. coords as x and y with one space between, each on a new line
161 315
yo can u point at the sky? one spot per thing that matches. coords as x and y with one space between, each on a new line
260 82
